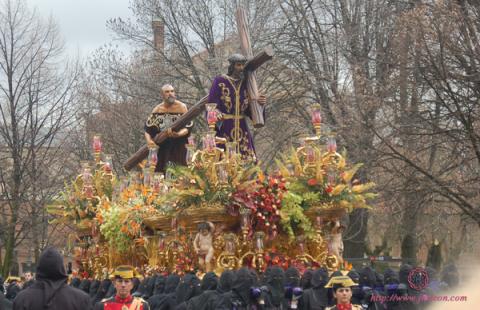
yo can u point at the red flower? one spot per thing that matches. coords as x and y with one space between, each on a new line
329 189
312 182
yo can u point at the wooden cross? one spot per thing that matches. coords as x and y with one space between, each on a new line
252 88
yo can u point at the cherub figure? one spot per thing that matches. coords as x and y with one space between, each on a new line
336 240
203 245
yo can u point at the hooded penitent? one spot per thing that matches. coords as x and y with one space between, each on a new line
188 287
209 298
102 290
275 281
75 282
142 288
166 300
209 281
403 273
85 286
390 277
316 297
50 290
354 275
292 277
239 297
159 285
94 286
292 284
367 277
306 280
150 287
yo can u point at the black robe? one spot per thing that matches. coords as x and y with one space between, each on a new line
239 297
12 291
75 282
94 287
292 285
102 290
5 304
166 300
275 282
211 292
306 280
50 290
188 287
316 297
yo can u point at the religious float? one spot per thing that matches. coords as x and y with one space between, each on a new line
219 212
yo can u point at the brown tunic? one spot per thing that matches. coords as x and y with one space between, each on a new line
173 149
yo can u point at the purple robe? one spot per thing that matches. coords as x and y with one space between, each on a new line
231 99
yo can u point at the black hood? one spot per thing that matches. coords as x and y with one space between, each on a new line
226 281
111 291
188 287
102 290
336 273
50 266
171 284
379 280
320 278
75 282
136 284
390 276
306 280
244 280
159 285
142 288
275 281
292 277
94 286
367 277
51 276
354 275
403 273
150 287
209 281
85 286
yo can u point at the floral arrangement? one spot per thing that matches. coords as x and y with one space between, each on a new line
211 181
121 222
266 203
79 202
317 179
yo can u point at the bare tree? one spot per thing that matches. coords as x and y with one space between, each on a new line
36 108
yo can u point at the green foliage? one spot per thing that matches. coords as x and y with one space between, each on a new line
292 216
111 229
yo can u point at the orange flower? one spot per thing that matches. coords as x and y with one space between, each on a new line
137 207
312 182
99 218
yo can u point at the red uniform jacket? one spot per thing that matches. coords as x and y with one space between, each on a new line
117 303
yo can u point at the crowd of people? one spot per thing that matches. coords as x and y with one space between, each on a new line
276 288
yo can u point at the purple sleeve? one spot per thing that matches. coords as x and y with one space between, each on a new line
215 92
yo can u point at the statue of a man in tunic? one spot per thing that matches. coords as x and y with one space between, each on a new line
172 150
229 92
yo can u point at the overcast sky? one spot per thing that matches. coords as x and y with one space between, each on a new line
83 22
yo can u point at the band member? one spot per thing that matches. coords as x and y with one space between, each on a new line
342 292
123 299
